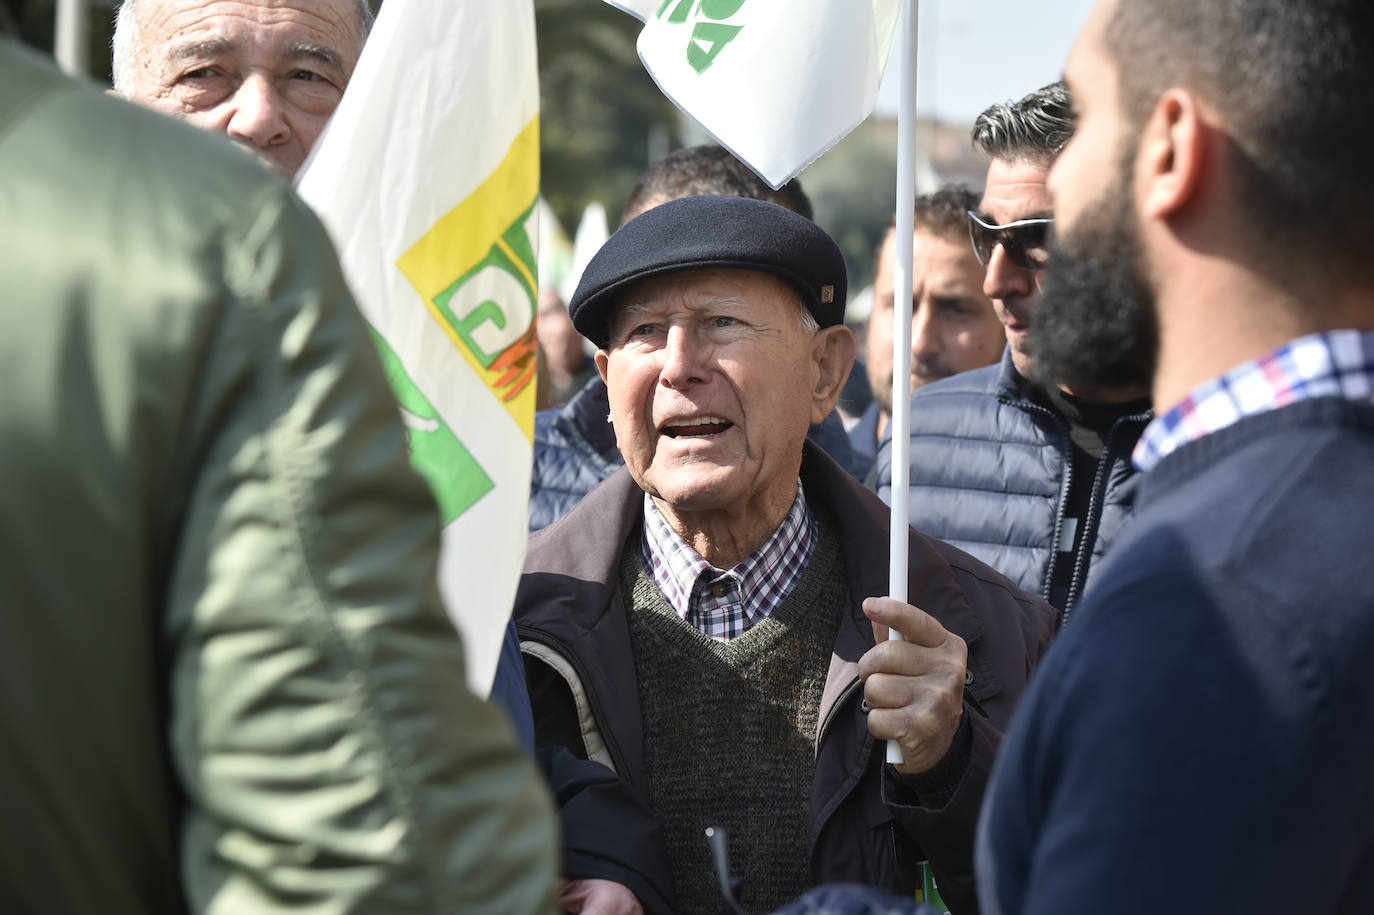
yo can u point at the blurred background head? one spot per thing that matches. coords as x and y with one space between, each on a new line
707 170
953 325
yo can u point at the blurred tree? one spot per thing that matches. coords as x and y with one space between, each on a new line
35 21
603 118
598 106
853 188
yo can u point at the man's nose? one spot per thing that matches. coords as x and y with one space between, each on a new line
925 332
684 356
1005 280
258 115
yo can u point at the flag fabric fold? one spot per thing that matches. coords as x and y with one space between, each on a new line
777 82
427 179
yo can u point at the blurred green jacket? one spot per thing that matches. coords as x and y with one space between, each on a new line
227 683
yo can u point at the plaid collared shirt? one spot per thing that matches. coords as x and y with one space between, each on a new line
724 604
1337 363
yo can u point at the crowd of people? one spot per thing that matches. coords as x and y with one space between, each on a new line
1126 676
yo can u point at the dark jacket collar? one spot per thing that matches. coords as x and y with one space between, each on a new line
585 547
583 419
863 438
1011 384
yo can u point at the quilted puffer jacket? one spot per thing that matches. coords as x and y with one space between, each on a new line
989 471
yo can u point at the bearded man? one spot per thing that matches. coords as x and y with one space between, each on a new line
1201 739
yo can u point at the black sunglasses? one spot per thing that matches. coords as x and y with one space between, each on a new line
1025 241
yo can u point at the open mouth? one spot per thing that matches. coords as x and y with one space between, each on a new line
696 427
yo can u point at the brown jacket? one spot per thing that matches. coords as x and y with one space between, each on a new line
864 827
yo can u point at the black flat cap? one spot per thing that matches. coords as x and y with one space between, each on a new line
701 232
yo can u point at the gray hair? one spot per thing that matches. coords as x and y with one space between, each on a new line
1034 129
124 44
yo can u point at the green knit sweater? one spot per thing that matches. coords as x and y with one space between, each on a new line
730 729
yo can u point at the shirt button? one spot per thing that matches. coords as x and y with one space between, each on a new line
721 588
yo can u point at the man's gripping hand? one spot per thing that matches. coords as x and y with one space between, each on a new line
598 897
914 688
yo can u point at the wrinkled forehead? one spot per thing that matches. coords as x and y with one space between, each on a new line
333 25
737 290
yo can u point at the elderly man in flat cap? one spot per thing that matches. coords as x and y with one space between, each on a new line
704 622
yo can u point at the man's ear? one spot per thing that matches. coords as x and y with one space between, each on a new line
832 348
602 360
1173 155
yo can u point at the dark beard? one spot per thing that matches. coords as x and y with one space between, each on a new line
1095 324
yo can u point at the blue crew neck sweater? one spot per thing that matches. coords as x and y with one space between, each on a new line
1202 740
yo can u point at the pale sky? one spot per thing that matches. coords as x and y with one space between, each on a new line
976 52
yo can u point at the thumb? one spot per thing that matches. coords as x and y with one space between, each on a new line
879 629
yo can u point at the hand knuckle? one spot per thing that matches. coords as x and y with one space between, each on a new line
925 723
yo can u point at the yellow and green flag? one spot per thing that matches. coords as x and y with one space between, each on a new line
427 179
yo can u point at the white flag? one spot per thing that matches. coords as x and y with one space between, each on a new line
427 179
776 82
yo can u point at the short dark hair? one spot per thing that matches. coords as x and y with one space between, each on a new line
1035 129
943 213
1286 77
711 171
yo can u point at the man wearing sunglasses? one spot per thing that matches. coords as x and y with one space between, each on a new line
1033 478
1201 739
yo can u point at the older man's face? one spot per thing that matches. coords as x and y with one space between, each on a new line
711 376
268 73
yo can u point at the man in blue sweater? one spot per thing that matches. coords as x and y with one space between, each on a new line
1202 740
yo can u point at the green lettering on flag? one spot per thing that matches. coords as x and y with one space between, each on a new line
684 9
454 475
492 306
709 35
711 9
720 9
714 34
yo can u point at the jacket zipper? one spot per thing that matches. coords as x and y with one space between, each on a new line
1092 521
834 710
1065 452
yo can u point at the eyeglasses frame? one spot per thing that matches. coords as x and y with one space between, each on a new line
1015 253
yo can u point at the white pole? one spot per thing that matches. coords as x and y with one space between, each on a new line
901 316
71 42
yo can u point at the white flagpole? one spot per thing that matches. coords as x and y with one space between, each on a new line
901 337
72 31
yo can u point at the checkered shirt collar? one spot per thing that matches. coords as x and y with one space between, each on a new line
1336 363
725 604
